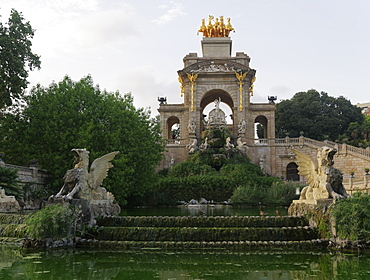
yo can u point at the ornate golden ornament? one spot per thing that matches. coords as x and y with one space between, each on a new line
192 79
240 78
216 27
182 88
252 86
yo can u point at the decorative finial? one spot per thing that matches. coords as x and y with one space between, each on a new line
216 27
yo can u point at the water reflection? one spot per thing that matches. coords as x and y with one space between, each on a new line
82 264
209 210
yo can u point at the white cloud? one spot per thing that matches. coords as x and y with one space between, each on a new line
173 11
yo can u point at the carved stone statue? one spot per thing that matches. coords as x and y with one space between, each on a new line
192 146
191 126
241 126
204 146
80 183
217 117
8 203
325 181
262 163
228 144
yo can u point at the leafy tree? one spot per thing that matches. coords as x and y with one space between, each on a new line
358 134
318 115
71 114
16 57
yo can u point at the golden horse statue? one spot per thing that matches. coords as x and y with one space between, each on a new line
215 27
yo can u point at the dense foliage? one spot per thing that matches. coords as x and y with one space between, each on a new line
358 134
270 192
9 182
237 179
352 217
54 221
71 114
16 57
316 114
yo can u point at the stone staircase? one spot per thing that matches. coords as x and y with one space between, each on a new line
186 233
204 232
12 228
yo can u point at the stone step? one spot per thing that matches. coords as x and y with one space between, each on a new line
203 221
177 234
13 230
219 245
12 218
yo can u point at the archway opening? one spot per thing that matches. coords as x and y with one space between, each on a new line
260 125
173 128
292 172
226 104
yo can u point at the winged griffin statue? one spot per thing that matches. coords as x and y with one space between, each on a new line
324 180
79 182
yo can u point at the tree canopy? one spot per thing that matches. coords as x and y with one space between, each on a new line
16 57
71 114
316 114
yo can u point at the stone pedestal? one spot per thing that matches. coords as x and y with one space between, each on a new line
9 204
90 210
320 202
216 47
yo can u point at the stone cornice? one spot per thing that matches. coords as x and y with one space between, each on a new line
216 66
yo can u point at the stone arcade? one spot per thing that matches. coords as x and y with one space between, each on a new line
229 79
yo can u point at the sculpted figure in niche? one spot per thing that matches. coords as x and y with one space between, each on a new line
241 126
325 181
191 126
217 117
262 163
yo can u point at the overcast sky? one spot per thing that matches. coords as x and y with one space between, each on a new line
137 46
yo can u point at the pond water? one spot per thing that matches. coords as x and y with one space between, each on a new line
209 210
145 264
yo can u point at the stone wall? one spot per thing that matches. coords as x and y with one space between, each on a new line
29 175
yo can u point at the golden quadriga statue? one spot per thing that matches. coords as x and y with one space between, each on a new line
216 27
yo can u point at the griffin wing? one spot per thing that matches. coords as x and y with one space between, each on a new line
307 168
99 169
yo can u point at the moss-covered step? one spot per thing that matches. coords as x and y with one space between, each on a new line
191 245
206 234
13 230
203 221
12 218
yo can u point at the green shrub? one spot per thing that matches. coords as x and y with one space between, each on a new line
352 217
266 190
171 190
55 221
188 168
9 182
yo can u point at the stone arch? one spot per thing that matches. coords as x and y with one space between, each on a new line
171 121
264 122
210 96
213 94
292 172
